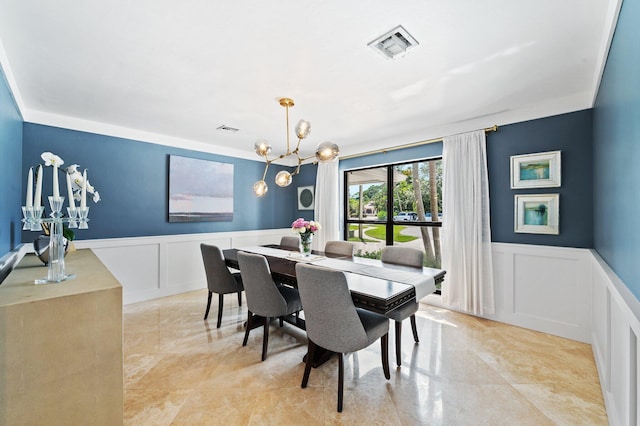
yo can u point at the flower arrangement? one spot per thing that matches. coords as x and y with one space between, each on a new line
304 227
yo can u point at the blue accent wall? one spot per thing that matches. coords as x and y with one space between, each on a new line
569 133
617 152
132 178
11 170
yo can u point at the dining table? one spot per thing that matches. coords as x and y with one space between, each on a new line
374 285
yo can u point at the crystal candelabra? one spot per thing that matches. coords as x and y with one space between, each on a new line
33 220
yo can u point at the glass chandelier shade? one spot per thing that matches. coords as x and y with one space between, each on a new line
284 178
260 188
326 151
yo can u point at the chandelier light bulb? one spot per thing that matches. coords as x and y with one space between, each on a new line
260 188
283 178
327 151
303 128
262 148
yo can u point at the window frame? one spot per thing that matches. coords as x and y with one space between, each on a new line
389 223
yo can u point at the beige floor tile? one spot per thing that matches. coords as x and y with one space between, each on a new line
182 370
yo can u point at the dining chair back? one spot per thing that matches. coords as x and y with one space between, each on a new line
406 256
219 279
334 323
339 248
264 298
399 255
290 242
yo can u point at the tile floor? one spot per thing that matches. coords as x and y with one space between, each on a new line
181 370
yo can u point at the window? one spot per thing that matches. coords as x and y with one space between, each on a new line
395 204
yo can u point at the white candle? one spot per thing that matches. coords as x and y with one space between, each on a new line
36 198
83 200
29 200
72 203
56 188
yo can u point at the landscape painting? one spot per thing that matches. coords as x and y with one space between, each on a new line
539 170
537 213
200 190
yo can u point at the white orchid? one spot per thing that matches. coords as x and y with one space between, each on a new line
75 175
50 159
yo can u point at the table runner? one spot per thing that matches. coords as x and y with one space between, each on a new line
423 283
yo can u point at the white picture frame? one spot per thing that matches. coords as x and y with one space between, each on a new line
539 170
306 197
537 214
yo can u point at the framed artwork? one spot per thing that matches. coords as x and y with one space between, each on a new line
537 214
305 197
541 170
200 190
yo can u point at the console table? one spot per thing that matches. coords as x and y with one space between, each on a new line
61 345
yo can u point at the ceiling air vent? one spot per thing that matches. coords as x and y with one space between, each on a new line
227 128
394 44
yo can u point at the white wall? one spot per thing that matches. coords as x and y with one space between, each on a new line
541 288
615 342
153 267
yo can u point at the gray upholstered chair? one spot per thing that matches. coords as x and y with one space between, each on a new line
339 248
219 279
334 323
410 257
264 298
290 242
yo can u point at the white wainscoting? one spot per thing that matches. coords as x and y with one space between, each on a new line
541 288
152 267
615 342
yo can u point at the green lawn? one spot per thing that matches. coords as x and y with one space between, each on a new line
378 232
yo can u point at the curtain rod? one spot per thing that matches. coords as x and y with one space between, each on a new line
493 128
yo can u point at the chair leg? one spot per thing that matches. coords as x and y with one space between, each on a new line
414 328
398 342
220 305
384 343
340 380
206 313
246 333
311 349
265 338
239 298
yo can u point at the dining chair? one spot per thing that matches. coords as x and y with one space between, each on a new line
339 248
264 297
409 257
219 279
290 242
334 323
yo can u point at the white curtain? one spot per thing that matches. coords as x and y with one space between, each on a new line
466 239
327 204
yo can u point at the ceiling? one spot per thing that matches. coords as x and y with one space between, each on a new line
172 72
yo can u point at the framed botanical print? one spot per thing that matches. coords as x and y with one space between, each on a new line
540 170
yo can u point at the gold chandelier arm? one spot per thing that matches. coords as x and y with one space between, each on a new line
266 167
288 145
302 160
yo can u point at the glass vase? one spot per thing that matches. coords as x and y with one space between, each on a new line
305 244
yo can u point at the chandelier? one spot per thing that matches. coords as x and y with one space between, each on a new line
325 152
